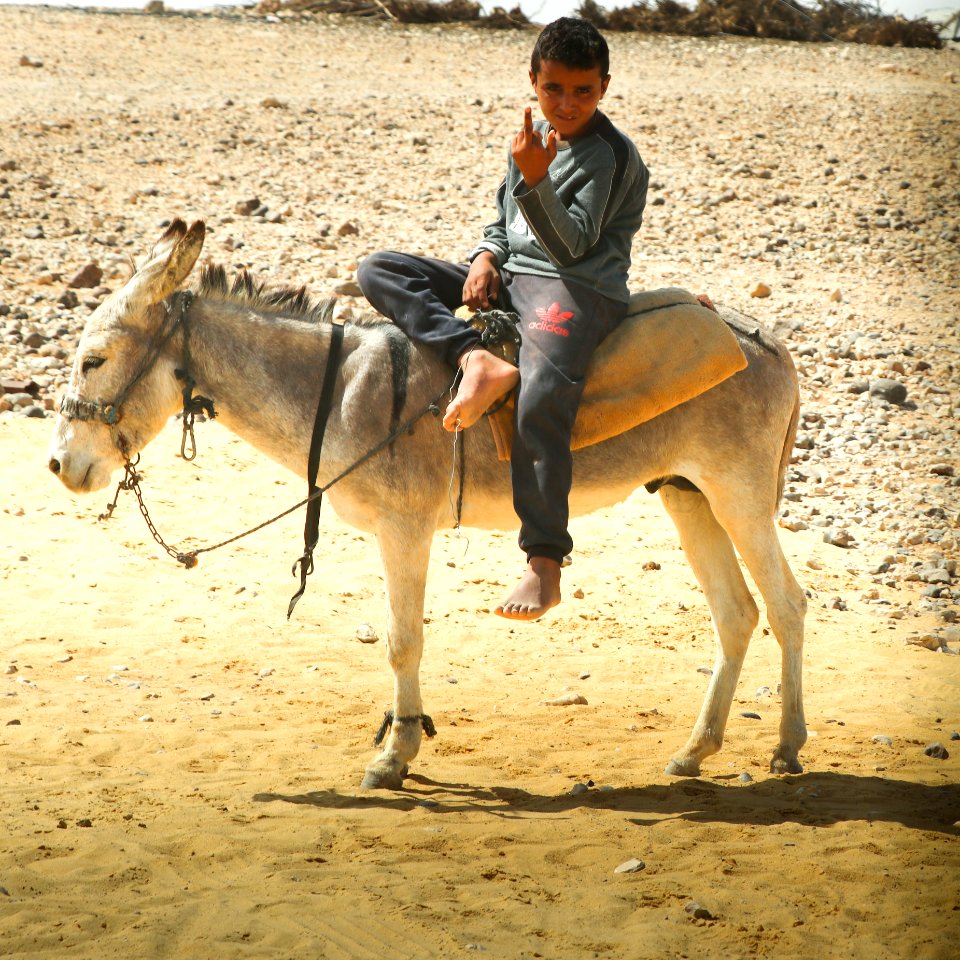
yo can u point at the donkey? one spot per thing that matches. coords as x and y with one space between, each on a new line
718 461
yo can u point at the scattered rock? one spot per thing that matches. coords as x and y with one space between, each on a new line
86 277
246 207
761 290
697 911
566 700
630 866
936 750
883 740
750 715
837 537
366 634
927 640
893 391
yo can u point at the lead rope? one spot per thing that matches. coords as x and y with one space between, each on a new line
189 558
459 443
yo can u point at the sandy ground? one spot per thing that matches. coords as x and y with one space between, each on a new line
179 765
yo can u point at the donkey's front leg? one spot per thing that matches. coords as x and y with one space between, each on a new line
405 549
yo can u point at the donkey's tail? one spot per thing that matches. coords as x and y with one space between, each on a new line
788 441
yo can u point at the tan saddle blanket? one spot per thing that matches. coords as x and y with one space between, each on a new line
669 349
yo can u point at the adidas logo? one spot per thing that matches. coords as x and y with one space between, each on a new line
551 320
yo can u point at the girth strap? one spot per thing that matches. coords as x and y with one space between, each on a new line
311 529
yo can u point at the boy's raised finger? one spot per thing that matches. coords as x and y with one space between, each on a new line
527 121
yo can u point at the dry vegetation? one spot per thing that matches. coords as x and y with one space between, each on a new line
824 21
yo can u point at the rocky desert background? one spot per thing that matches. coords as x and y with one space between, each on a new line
180 766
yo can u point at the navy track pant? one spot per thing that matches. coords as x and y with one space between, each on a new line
562 323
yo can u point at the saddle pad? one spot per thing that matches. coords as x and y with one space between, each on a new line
669 349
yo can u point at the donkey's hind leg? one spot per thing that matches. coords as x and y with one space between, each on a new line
755 537
405 550
734 613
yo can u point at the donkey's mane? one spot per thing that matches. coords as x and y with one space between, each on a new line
279 301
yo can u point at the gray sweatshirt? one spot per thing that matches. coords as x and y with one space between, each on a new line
578 223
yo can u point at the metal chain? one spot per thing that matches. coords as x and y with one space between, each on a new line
131 481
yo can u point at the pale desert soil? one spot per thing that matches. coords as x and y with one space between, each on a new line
230 823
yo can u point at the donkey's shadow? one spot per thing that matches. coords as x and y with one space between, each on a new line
811 799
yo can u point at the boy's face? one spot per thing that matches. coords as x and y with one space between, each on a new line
568 97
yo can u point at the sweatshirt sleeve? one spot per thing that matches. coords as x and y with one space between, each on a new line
567 229
495 234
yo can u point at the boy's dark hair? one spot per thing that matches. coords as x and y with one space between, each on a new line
575 43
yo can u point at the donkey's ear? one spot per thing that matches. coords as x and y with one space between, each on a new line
169 264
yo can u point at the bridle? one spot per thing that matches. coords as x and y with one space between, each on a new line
110 412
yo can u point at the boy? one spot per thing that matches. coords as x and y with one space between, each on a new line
558 255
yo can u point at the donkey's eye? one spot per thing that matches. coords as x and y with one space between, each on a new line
91 363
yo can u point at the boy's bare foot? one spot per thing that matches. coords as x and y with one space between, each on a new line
536 593
486 378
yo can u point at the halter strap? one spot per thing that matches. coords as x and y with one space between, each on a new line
311 529
73 407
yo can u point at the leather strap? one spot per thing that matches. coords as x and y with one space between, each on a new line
311 529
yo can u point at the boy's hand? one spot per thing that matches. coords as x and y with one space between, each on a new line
531 155
483 282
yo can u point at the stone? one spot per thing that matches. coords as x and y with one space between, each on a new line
28 387
366 634
837 537
567 700
630 866
348 229
86 277
882 740
697 911
246 207
936 750
68 299
349 288
926 640
893 391
761 290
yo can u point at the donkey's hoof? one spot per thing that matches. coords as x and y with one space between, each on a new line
683 767
383 778
785 763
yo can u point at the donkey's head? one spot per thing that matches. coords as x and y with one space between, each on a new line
122 388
